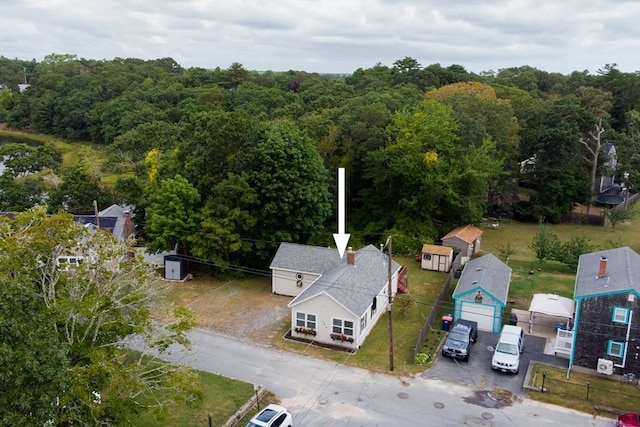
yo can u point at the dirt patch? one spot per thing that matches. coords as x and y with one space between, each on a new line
495 399
241 309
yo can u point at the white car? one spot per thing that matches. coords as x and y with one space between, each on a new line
506 356
272 416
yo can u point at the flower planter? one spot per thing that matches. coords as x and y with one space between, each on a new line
341 338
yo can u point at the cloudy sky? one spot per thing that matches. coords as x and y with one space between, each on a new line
328 35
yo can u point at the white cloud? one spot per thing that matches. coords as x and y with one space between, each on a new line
330 35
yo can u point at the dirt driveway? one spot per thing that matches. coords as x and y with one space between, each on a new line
244 309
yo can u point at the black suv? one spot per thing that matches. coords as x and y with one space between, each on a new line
458 343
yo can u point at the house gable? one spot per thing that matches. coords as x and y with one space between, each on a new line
466 238
354 286
482 291
607 323
488 273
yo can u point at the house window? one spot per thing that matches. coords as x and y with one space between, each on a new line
363 322
374 305
620 315
426 257
305 320
615 348
344 327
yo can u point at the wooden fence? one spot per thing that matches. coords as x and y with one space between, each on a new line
582 218
444 293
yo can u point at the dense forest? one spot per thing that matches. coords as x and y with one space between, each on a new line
227 163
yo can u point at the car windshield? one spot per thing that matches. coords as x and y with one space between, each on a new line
457 336
503 347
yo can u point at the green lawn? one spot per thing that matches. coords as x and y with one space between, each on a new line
221 398
604 396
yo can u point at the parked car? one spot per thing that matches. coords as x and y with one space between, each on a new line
272 416
628 420
506 355
458 343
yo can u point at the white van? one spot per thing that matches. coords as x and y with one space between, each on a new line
506 356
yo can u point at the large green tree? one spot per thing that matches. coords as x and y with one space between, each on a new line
423 177
292 200
64 362
171 214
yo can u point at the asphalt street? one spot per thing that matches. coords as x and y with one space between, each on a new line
321 393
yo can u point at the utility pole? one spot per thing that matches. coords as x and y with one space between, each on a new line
389 291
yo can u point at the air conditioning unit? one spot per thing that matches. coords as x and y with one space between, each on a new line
605 366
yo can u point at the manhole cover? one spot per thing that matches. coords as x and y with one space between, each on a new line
490 348
438 405
403 395
487 416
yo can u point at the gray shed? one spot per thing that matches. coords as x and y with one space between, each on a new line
175 267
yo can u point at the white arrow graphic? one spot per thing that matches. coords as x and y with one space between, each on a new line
340 237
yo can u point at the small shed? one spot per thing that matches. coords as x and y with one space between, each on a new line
436 258
467 238
175 267
482 291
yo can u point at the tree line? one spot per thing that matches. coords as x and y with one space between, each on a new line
226 163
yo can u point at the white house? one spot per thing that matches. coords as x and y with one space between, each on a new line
337 300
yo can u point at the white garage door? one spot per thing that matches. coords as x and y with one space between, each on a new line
482 313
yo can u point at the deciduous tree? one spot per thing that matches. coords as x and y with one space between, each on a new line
65 364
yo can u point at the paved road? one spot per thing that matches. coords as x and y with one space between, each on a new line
321 393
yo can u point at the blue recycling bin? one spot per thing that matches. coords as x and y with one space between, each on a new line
446 322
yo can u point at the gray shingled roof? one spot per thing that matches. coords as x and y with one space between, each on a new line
622 273
353 286
487 272
305 259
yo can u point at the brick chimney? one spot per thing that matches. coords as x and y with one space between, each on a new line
351 256
602 271
128 224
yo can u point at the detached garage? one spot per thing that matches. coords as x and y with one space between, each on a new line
482 292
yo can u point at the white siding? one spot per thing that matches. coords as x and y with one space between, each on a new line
285 282
326 310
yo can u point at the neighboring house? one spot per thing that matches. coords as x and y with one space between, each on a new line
607 181
467 238
606 335
337 300
116 219
436 258
481 292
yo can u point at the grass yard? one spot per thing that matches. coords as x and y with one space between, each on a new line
605 396
221 399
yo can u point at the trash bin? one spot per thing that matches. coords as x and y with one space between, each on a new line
513 319
446 322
